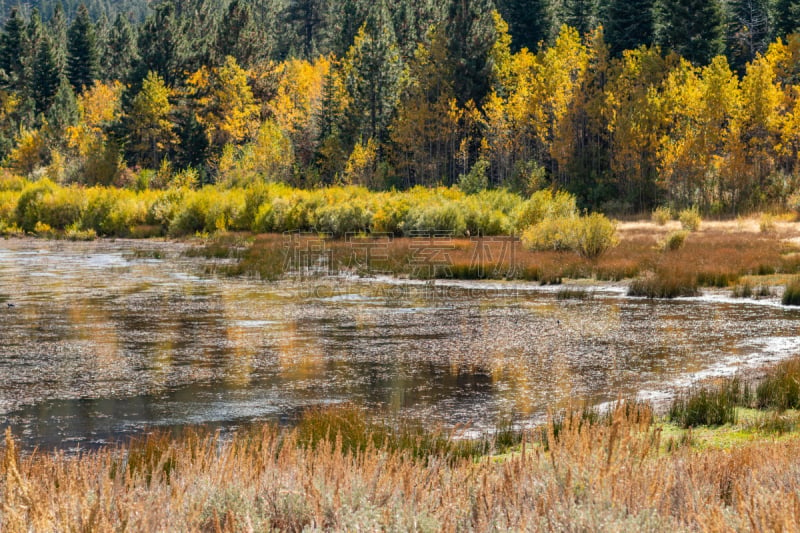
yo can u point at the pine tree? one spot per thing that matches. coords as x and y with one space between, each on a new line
786 17
472 34
628 24
373 67
122 49
82 56
12 50
64 110
163 48
343 19
692 28
578 14
748 30
57 29
240 36
46 76
307 17
528 20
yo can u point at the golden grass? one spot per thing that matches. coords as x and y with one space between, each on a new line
718 255
611 475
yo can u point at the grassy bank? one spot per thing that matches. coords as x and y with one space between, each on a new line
622 471
711 258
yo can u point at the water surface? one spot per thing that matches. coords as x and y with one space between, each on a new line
103 341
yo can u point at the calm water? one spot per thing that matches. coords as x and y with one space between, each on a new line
103 341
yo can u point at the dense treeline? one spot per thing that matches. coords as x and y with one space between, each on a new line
623 103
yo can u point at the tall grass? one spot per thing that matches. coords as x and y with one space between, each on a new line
709 405
612 474
664 284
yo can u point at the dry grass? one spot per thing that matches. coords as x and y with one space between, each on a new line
610 475
718 255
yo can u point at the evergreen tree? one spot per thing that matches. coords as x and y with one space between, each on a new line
82 56
373 67
64 110
163 48
343 19
578 14
471 33
786 17
692 28
528 21
12 50
122 49
240 36
57 29
46 76
748 31
307 17
628 24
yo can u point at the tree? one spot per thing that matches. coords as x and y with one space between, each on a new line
372 69
12 50
471 32
528 20
122 49
163 48
307 17
149 125
57 28
692 28
46 76
628 24
82 55
226 107
64 109
239 35
786 17
578 14
748 31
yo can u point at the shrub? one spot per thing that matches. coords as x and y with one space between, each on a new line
675 240
791 294
664 284
596 234
476 180
690 219
557 234
113 211
29 209
342 218
780 388
707 406
544 204
444 216
661 215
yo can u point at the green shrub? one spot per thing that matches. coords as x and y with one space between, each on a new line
113 212
661 215
477 179
444 216
163 207
791 293
675 240
707 406
343 218
780 388
690 219
29 208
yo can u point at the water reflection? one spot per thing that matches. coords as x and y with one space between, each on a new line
104 341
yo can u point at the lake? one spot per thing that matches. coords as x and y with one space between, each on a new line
105 339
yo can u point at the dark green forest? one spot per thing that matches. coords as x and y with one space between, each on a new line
626 104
